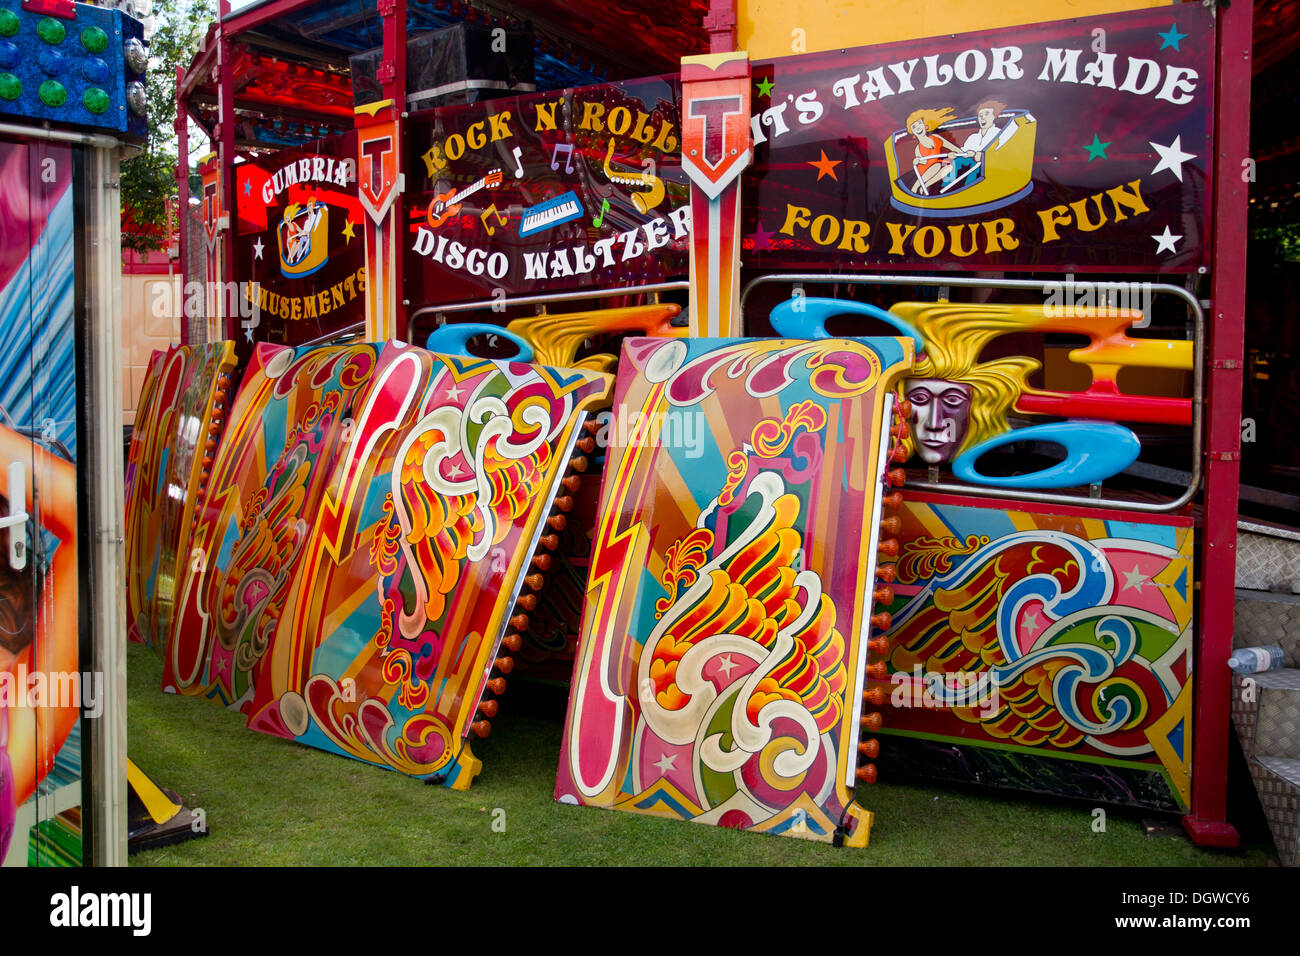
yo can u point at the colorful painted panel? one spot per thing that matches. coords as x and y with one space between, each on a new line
145 420
1077 145
417 556
1045 635
961 400
268 477
170 445
301 243
731 586
41 678
198 413
371 522
559 190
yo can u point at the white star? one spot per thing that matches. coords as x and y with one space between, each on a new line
454 393
1134 579
455 471
1166 241
666 763
248 334
725 664
257 248
1172 157
1029 623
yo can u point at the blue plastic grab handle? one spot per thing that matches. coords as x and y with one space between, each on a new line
453 339
805 318
1094 451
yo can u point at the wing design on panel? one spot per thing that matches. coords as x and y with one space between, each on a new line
373 514
1050 635
732 573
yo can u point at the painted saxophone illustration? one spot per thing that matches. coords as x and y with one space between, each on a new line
644 201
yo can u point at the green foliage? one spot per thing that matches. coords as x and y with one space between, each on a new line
149 179
1286 237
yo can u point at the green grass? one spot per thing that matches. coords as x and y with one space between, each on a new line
270 802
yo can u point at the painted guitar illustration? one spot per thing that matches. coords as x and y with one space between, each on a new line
445 205
644 201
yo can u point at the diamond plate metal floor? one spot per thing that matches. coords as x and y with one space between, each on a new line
1268 557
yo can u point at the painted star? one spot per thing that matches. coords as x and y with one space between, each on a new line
248 334
1171 39
725 664
1165 242
257 248
1096 149
455 471
1029 623
455 392
765 87
1172 157
248 187
347 230
762 238
1134 579
825 167
666 763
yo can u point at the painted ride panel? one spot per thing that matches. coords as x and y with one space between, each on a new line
171 447
732 579
371 522
1037 646
1043 648
267 478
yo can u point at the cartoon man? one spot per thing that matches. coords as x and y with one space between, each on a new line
972 154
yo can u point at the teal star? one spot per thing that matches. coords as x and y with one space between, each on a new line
1096 149
765 87
1171 39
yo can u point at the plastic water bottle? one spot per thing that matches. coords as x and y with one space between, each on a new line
1253 660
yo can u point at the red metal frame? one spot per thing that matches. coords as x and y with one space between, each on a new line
394 12
1208 824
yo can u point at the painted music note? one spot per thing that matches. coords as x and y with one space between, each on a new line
492 211
519 163
567 150
604 208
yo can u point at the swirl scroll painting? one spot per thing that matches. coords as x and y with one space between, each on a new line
373 512
719 674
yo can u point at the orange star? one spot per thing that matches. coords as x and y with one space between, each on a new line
825 167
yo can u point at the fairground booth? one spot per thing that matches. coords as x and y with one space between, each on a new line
812 391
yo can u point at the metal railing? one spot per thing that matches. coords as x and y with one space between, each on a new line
499 304
1119 504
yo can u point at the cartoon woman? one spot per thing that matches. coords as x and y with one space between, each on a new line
44 637
933 158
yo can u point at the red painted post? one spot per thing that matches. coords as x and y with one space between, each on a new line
1207 823
182 128
721 24
395 89
226 158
